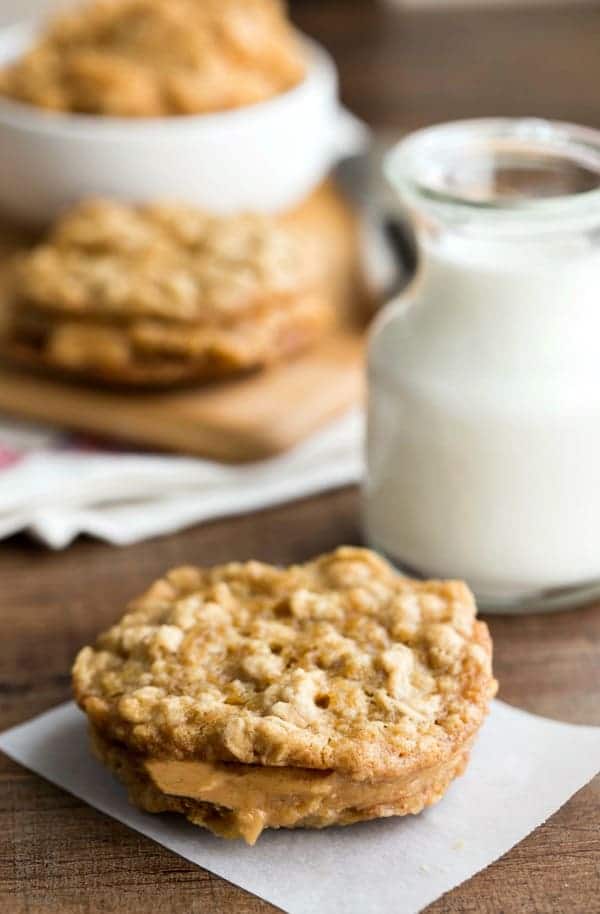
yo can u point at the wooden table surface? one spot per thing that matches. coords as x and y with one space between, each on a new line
398 70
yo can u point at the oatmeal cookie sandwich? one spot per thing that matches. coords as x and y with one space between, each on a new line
248 696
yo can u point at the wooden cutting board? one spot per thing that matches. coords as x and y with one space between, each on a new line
246 419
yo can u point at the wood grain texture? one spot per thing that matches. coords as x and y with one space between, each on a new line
57 856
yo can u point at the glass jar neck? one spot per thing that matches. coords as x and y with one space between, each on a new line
507 216
481 245
515 304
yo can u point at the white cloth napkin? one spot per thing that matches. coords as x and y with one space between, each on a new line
522 770
56 486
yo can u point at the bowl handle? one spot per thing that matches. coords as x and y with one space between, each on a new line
350 135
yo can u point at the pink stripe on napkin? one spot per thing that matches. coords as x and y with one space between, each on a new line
9 456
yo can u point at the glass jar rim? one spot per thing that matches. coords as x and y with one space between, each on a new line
410 167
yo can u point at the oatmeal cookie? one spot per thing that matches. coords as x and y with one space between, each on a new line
164 293
349 690
154 58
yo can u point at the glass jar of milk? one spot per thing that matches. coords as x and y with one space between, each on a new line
484 376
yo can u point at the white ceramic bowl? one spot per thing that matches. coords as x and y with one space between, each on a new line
265 156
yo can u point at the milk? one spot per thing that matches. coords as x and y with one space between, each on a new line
483 445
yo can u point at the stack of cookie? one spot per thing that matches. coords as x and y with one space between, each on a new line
248 696
165 293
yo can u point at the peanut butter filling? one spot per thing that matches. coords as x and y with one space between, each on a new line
270 797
